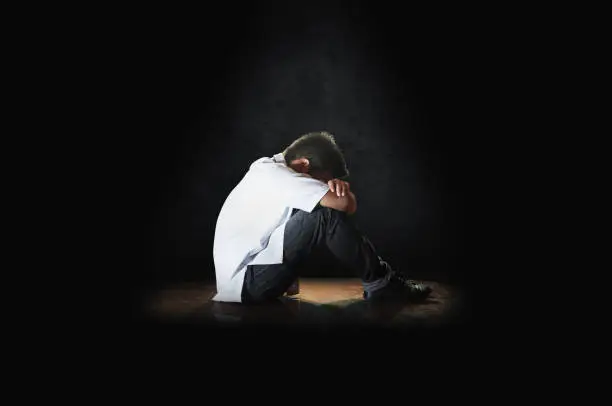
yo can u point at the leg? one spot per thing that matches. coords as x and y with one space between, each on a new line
303 233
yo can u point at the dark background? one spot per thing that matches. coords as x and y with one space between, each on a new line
202 95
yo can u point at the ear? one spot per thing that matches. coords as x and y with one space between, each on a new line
301 165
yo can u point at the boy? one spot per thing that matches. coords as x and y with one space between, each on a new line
283 208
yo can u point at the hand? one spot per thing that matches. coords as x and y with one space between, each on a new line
341 187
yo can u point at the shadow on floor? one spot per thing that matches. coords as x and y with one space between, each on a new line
322 303
289 312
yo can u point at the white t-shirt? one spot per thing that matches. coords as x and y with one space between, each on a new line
251 224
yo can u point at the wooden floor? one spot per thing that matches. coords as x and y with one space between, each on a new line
320 301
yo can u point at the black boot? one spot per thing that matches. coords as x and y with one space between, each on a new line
400 287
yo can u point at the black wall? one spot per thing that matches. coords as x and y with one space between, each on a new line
208 94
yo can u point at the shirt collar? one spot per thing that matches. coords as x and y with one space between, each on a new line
279 158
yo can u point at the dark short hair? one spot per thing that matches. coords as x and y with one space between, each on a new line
321 150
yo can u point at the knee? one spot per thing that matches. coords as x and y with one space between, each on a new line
304 228
321 215
328 215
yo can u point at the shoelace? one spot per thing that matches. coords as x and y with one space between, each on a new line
409 282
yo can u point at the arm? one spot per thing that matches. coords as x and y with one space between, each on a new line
304 192
346 203
353 203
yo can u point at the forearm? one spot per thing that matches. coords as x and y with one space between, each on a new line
352 206
339 197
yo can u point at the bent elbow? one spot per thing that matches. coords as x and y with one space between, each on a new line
352 206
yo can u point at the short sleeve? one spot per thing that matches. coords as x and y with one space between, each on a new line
304 193
293 189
